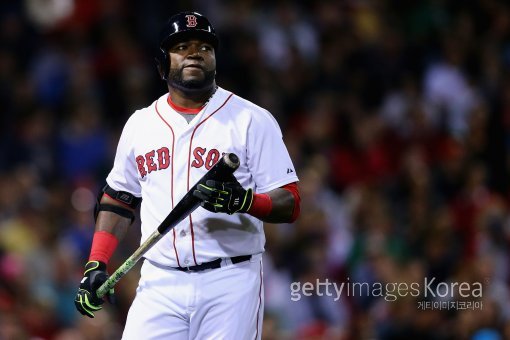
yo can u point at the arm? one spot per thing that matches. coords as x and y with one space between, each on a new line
280 205
112 221
283 205
113 215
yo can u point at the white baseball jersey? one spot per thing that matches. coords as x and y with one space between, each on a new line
160 156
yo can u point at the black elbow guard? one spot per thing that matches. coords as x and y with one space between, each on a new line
121 196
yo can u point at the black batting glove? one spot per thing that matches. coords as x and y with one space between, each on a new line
86 300
227 197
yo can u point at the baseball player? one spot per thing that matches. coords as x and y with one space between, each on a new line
204 278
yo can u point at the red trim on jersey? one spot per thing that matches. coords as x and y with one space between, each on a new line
294 190
260 302
180 109
175 248
192 239
103 246
189 168
172 174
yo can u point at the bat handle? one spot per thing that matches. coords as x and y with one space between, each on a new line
231 160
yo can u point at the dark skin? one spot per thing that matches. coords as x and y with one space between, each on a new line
190 85
191 77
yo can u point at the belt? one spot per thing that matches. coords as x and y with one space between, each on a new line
213 264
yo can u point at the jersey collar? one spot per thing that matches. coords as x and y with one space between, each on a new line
183 110
216 101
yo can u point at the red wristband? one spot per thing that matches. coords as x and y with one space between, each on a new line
261 205
103 246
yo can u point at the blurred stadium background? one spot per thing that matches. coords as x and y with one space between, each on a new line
396 114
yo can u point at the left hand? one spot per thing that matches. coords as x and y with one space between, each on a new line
86 300
228 197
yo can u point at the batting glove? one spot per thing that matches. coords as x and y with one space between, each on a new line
227 197
86 300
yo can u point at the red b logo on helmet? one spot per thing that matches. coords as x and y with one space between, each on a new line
191 20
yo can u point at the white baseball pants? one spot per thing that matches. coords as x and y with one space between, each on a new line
222 303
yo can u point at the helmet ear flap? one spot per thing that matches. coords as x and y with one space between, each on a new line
163 65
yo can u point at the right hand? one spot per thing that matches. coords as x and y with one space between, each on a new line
227 197
86 300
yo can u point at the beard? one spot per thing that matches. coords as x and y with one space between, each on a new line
175 79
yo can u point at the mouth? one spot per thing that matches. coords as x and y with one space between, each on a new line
194 66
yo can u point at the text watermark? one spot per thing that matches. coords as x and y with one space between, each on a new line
430 290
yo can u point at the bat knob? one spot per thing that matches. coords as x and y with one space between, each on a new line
231 160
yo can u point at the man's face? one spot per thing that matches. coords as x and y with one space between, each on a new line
192 65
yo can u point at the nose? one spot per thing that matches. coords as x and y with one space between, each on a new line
194 51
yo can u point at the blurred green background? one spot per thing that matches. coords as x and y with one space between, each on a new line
396 114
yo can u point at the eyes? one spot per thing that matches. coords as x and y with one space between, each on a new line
202 47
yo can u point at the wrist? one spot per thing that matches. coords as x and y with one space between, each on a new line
247 201
94 265
103 246
261 206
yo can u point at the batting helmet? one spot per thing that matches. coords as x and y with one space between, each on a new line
180 27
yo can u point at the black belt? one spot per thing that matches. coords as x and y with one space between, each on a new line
213 264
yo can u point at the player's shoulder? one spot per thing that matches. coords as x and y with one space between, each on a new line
243 106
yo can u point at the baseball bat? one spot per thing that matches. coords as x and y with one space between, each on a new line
224 168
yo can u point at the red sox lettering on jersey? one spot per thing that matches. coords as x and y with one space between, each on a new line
203 159
160 159
162 156
147 163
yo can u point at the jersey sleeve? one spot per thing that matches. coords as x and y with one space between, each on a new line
267 156
124 176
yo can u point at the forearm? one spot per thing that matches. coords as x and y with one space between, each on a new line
110 229
283 206
112 222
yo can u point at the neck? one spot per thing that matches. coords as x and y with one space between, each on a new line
191 99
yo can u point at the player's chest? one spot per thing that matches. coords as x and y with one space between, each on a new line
162 148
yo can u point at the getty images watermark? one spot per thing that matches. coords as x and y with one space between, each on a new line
435 294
